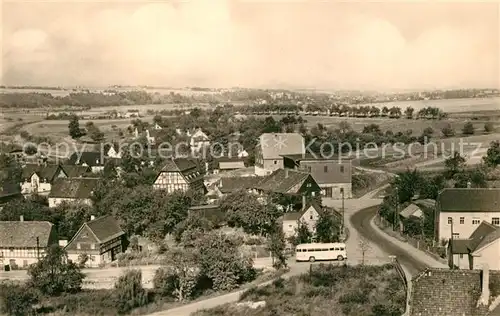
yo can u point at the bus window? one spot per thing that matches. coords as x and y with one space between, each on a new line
336 249
332 249
342 249
298 250
324 249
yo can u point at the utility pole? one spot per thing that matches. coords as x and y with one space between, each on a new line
451 248
37 248
343 213
395 210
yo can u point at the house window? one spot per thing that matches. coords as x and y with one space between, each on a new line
475 221
462 220
495 221
449 220
461 256
456 235
78 246
276 162
92 246
342 169
325 168
308 185
310 216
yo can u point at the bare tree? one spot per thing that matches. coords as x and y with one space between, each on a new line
364 247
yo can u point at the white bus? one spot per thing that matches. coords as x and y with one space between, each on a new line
317 251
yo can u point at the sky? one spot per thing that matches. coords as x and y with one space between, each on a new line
251 43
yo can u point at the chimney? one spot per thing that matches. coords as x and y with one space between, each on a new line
92 217
21 218
469 184
304 201
485 286
286 173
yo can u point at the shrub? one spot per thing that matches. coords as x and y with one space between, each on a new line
129 291
488 127
468 129
16 300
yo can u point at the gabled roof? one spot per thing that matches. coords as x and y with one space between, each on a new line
179 165
75 171
43 171
273 145
469 200
428 203
484 234
295 216
230 163
233 184
283 181
73 188
105 228
410 210
23 234
91 158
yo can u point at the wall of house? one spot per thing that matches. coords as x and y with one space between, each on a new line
22 257
489 255
53 202
171 181
461 261
463 230
336 190
310 217
328 171
97 169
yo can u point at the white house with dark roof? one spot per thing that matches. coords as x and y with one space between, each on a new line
72 190
198 140
308 215
24 242
271 148
38 179
92 159
461 210
482 247
100 240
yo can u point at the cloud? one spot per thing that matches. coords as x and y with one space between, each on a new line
222 43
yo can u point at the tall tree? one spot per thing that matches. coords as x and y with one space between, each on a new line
492 157
129 291
327 228
276 244
74 127
454 164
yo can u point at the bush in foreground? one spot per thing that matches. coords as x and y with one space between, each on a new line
327 290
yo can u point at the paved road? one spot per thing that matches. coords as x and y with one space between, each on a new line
412 259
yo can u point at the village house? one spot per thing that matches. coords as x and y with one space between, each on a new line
462 210
198 140
24 242
333 175
228 185
225 164
180 174
38 179
445 292
271 148
72 190
482 247
74 171
114 151
411 211
99 241
290 182
211 212
308 215
92 159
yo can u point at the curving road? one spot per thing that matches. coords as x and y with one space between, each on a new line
361 221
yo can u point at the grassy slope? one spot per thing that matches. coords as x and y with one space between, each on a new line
329 291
